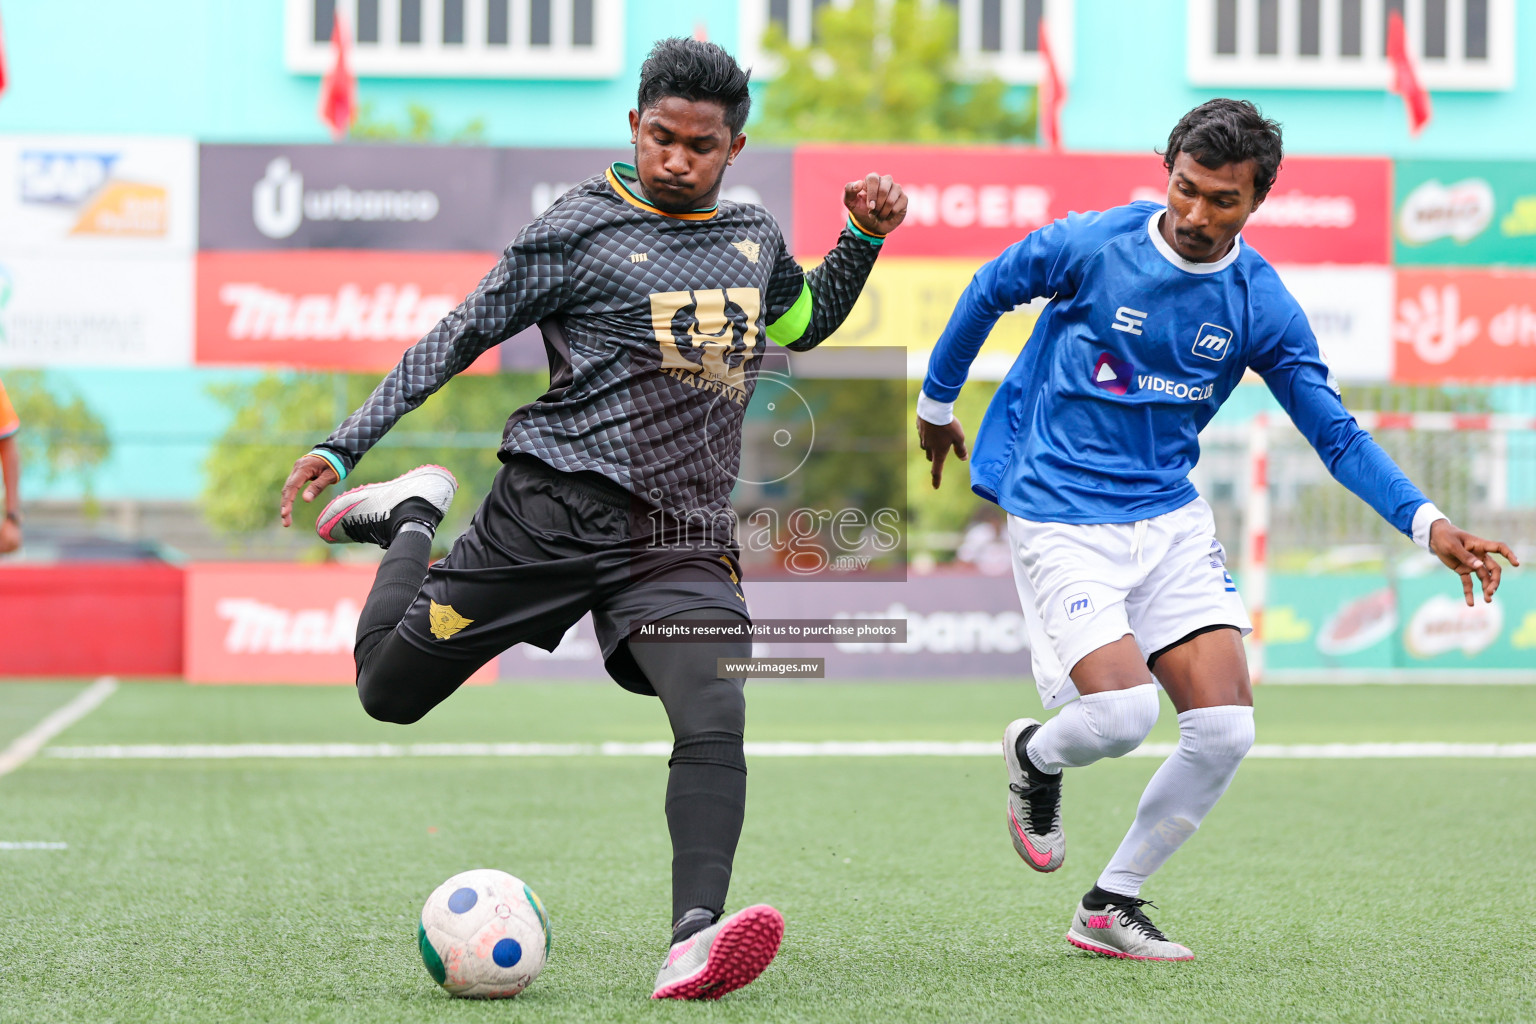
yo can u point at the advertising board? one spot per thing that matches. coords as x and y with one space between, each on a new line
1350 310
98 195
91 310
327 309
978 201
276 623
1465 325
1465 212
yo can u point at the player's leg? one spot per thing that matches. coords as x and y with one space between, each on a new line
1205 672
706 801
1072 582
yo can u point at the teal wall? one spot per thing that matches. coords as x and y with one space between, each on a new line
214 69
1129 88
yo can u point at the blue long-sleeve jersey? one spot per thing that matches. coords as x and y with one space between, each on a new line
1098 420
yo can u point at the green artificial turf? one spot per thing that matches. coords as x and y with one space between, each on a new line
1383 890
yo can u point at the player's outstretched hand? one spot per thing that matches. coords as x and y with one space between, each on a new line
1470 556
936 441
310 472
877 203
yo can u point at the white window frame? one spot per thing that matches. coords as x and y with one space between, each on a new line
1014 66
474 58
1329 70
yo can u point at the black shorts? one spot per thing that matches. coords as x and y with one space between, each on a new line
545 548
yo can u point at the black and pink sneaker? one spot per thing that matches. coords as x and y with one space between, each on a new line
371 514
722 957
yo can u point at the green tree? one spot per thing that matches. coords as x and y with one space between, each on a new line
884 71
420 127
279 416
61 436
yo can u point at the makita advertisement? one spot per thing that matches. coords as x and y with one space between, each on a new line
1465 211
977 202
1465 325
328 310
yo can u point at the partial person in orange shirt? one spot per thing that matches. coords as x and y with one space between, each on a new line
10 472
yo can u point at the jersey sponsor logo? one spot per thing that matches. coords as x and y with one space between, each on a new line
1212 342
1175 389
444 621
708 337
748 248
1078 605
639 257
1129 320
1113 375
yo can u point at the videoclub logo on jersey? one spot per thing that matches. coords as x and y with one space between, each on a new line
107 206
1212 342
1113 375
279 203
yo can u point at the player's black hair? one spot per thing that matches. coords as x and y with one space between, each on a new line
694 70
1224 131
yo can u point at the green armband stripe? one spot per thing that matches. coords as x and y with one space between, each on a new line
872 239
790 327
341 470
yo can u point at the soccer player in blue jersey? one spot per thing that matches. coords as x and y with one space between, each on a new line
1155 314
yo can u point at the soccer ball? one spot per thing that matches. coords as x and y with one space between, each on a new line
483 935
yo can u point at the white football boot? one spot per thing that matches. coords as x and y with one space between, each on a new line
1123 930
370 514
723 957
1034 805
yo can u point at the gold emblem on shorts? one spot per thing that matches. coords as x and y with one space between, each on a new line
444 620
747 248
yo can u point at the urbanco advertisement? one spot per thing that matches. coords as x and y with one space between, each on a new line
327 309
978 201
1465 212
91 196
1465 325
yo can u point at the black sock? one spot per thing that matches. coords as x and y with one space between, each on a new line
693 922
1035 772
1098 899
706 801
395 586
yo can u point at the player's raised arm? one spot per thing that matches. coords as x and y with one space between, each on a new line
804 309
1294 370
1031 268
527 284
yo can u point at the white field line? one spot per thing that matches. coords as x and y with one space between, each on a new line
232 751
29 743
32 845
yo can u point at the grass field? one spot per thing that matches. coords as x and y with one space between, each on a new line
287 889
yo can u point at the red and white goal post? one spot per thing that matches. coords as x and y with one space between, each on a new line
1504 444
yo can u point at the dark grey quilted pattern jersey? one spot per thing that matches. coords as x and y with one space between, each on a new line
654 327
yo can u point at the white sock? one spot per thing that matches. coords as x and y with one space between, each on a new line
1212 742
1096 725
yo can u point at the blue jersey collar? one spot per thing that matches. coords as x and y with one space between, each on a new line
1183 264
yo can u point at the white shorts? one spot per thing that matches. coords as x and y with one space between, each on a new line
1087 585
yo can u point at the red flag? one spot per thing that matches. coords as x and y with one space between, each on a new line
1050 94
2 63
338 89
1405 79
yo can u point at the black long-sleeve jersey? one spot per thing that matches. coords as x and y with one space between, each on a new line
655 325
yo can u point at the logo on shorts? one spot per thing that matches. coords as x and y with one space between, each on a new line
1212 342
1113 375
1226 578
444 620
1078 604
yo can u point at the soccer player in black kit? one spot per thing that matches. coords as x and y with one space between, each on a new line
656 301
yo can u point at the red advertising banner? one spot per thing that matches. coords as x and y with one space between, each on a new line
328 309
276 623
1465 325
91 619
978 201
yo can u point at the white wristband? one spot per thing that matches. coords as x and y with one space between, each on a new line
1423 519
931 410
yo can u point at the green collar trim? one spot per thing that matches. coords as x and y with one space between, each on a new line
624 174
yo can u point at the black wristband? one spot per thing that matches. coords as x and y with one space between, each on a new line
14 517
